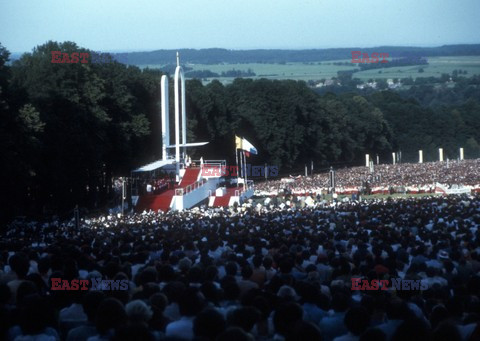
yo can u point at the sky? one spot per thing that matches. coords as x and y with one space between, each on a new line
144 25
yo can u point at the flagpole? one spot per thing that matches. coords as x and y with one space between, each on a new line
236 161
245 163
241 168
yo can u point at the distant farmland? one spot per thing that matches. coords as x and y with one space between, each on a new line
328 69
436 66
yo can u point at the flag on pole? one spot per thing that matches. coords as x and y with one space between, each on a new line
243 144
248 147
238 142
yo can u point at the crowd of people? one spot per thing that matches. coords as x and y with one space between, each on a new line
383 178
159 185
252 272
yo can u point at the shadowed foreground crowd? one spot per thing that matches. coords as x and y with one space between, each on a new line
249 273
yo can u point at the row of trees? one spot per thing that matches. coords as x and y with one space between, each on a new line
67 129
199 74
218 56
433 92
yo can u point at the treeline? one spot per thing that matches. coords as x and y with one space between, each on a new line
200 74
441 92
398 62
218 56
238 73
290 124
447 90
346 77
67 129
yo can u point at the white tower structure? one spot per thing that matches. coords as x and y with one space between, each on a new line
165 118
180 102
179 91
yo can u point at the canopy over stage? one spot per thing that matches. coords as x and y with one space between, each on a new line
192 144
154 165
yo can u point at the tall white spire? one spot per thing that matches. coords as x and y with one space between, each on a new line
180 108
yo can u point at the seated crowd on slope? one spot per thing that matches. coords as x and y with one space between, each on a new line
249 273
401 177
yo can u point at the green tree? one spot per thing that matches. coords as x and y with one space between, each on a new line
95 118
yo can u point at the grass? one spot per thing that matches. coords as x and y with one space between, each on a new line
326 69
436 66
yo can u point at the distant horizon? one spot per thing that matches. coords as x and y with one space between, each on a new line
249 49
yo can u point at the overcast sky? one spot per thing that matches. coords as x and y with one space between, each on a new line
137 25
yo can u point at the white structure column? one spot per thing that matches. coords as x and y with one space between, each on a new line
393 157
180 101
179 83
420 156
461 154
367 160
179 76
440 154
165 118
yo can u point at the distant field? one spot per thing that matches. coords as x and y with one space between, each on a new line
326 70
436 66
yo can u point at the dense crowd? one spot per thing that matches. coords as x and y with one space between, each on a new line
250 273
401 177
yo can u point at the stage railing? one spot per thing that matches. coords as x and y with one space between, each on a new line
214 164
190 188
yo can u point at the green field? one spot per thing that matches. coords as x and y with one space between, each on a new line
436 66
326 70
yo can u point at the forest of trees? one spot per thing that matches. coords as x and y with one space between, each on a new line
67 129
